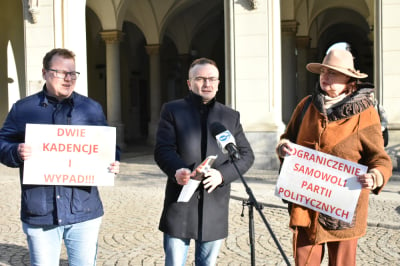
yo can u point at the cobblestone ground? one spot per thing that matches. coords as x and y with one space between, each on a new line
129 234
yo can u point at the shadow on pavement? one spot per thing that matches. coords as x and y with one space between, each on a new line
13 255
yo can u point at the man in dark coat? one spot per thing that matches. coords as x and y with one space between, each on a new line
184 140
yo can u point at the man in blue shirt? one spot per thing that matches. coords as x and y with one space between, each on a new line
51 214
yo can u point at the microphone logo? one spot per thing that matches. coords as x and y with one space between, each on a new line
225 140
224 136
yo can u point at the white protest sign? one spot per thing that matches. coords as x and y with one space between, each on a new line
321 182
70 155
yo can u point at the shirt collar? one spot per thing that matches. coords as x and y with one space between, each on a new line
198 100
48 99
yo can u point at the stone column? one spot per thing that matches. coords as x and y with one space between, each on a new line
155 100
312 79
112 39
302 44
185 61
289 68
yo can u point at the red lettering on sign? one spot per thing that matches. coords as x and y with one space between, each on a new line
71 132
69 179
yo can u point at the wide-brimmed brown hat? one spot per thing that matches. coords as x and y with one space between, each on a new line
339 60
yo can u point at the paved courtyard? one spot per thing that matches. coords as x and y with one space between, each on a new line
130 235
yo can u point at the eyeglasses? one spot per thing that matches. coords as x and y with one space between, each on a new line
61 74
204 79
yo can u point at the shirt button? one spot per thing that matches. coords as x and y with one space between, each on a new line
58 197
59 221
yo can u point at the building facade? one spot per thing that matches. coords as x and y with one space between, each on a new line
134 55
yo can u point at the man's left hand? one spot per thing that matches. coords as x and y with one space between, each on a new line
213 180
114 167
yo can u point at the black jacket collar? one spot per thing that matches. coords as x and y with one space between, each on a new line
197 100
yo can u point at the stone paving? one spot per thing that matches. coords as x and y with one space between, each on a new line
130 235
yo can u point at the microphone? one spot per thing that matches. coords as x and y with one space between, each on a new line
226 142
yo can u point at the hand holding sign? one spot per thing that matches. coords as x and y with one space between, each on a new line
24 151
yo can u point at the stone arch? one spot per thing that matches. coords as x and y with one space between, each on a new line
183 32
307 36
197 30
12 55
341 25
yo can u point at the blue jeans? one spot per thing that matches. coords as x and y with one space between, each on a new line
80 240
176 250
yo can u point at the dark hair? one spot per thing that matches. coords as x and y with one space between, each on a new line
65 53
202 61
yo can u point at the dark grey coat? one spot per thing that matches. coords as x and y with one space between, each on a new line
178 146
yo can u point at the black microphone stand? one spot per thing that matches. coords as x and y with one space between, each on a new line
251 203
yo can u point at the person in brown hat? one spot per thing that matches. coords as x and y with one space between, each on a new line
339 119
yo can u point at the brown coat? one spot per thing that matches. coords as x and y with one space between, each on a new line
353 135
